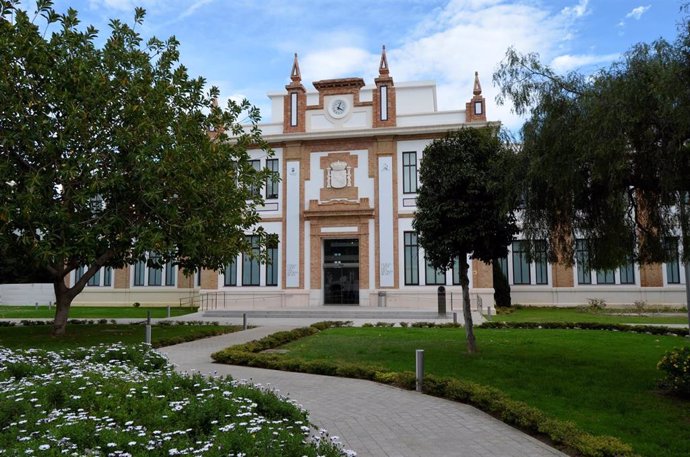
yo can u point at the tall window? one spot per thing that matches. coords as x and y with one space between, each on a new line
434 276
606 276
230 274
107 277
672 261
169 274
627 272
541 265
411 259
409 172
272 181
521 274
95 280
139 273
584 273
256 165
250 264
155 272
272 266
456 271
383 98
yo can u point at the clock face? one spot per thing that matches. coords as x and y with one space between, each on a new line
338 107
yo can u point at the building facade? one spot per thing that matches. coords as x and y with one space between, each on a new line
348 155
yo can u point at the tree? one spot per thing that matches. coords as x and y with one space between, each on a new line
465 204
606 158
110 153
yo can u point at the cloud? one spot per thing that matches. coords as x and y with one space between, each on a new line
637 13
193 7
578 10
567 62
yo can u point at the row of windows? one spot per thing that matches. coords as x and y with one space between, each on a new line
432 276
272 183
102 278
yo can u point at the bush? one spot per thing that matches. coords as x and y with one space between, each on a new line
648 329
676 367
596 304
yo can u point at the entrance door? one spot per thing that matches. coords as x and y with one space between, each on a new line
341 272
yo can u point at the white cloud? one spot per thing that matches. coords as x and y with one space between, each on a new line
337 62
578 10
567 62
637 13
193 7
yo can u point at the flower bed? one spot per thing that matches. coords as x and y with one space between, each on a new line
121 400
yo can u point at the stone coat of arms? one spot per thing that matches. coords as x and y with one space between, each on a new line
339 175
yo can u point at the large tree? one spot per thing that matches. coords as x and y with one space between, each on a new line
606 157
465 204
109 153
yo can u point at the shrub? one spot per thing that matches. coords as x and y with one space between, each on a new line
136 304
648 329
596 304
676 367
640 305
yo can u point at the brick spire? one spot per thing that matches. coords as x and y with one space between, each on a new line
383 65
295 74
477 85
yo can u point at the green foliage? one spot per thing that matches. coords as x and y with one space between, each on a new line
465 204
501 286
113 151
675 365
605 157
596 304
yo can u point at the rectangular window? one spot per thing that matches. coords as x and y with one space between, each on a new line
409 172
198 278
78 273
230 274
411 259
478 108
169 274
521 273
584 273
139 273
434 276
541 264
606 277
293 109
108 277
272 181
627 272
95 280
456 271
250 264
272 266
384 102
256 165
672 261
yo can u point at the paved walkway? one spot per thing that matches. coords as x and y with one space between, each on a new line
372 419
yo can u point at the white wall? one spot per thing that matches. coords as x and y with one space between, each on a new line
26 294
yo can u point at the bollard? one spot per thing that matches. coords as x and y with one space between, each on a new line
489 313
441 301
419 369
244 321
49 304
455 318
36 307
382 299
168 311
148 327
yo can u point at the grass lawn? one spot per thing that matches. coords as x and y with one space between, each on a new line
603 381
38 336
92 312
610 316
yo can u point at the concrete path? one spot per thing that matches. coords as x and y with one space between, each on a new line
372 419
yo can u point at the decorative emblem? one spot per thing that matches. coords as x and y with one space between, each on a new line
339 175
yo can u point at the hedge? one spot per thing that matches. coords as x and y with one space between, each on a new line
488 399
649 329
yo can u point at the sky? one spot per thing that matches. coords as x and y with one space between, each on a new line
246 47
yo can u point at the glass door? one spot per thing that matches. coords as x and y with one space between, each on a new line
341 272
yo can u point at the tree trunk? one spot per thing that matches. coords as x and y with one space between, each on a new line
63 301
466 310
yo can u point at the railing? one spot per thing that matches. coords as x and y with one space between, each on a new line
233 300
423 300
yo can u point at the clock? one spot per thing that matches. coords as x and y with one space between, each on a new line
338 108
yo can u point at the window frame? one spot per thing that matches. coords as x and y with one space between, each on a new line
251 267
411 258
410 172
273 181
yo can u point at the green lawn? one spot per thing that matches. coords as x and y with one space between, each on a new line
610 316
38 336
603 381
92 312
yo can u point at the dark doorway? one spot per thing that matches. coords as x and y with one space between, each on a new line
341 272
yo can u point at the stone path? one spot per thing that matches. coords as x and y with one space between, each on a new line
372 419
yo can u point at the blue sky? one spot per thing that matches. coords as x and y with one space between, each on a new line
246 47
